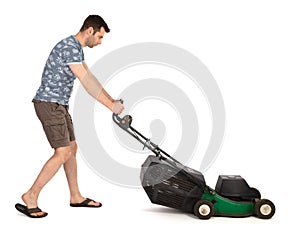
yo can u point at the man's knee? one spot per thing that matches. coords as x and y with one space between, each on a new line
64 153
73 146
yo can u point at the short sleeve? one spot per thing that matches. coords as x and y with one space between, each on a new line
72 55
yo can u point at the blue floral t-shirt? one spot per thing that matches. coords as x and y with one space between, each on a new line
58 79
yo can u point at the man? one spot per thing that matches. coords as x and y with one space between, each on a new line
64 64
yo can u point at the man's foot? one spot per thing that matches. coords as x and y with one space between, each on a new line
86 203
31 209
31 212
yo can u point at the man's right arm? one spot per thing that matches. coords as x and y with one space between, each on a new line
94 87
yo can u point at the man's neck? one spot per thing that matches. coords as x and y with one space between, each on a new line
80 37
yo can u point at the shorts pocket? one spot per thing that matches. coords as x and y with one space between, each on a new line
56 129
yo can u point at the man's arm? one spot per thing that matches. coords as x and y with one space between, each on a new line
103 90
94 87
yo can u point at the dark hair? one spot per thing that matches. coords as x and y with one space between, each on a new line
96 22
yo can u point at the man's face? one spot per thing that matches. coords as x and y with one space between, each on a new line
95 39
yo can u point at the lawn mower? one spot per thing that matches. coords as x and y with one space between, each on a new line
169 183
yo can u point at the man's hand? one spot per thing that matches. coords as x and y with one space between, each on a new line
118 107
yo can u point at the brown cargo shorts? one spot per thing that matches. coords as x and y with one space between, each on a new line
56 121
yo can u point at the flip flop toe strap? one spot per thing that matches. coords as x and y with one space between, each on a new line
34 210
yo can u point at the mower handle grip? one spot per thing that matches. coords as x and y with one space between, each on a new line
116 116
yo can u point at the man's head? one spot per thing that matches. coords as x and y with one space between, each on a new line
93 30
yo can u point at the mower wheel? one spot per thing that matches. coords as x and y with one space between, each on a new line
264 209
204 209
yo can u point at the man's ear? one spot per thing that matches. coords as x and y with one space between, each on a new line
90 31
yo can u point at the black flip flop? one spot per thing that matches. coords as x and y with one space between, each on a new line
28 212
85 203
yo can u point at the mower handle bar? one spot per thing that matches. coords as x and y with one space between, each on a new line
125 124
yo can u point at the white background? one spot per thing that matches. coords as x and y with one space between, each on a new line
251 48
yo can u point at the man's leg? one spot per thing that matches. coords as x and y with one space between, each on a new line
70 168
30 198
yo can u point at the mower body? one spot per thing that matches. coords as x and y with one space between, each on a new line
180 187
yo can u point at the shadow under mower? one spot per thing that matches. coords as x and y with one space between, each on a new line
169 183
